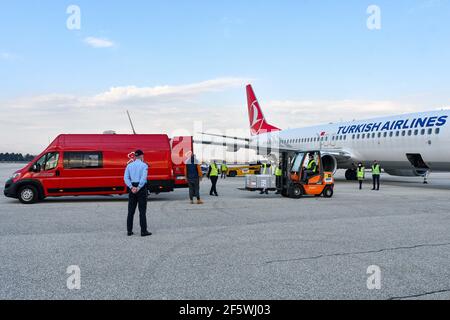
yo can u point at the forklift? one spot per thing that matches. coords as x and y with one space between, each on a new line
298 180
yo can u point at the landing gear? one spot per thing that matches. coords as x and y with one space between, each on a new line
350 174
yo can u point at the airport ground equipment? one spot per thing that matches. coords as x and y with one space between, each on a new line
243 170
296 180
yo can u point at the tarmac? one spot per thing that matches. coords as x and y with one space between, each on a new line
240 245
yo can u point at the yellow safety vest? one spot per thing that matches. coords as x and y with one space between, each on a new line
278 172
214 170
311 164
376 170
360 173
264 171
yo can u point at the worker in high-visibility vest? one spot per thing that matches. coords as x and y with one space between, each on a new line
360 174
213 175
278 177
223 170
311 168
376 172
265 171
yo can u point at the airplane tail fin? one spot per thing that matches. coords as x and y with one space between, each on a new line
258 124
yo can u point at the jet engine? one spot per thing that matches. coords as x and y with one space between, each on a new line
329 163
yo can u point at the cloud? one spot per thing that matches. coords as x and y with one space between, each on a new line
99 42
154 110
6 56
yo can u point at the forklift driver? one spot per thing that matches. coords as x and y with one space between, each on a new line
311 168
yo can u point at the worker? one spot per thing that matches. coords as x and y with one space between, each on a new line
311 167
213 175
360 174
223 170
376 171
278 177
136 180
194 176
264 168
265 171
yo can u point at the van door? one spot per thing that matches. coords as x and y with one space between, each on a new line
48 170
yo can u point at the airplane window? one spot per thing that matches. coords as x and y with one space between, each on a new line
422 132
363 136
409 132
368 136
416 132
430 131
438 130
403 133
345 137
353 137
385 134
391 134
326 138
397 133
357 137
379 134
373 135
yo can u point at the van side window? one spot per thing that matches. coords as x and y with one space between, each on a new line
83 160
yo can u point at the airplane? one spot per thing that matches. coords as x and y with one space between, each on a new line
405 145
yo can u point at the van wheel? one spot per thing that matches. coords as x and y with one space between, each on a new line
28 195
295 191
232 174
328 192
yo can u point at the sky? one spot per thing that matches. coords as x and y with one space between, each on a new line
182 66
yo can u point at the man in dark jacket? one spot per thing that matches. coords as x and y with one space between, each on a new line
193 177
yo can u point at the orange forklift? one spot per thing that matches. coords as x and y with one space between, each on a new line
303 175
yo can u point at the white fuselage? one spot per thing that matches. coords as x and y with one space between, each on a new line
387 140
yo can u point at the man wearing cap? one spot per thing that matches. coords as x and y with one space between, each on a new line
136 181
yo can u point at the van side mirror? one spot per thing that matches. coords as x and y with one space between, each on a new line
36 168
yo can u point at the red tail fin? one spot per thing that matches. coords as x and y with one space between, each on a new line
258 124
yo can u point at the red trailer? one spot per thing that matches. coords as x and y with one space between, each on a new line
74 165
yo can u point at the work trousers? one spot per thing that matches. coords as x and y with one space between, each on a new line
194 188
135 200
376 181
213 185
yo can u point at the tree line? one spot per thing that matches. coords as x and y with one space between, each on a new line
15 157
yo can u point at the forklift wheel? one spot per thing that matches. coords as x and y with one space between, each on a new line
295 191
328 192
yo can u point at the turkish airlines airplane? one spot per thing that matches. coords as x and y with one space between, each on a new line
405 145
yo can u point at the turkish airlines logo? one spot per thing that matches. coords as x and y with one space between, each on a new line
257 119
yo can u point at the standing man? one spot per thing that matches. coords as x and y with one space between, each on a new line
265 171
136 180
223 170
278 177
193 176
360 174
213 175
376 171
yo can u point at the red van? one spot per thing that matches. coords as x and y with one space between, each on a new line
75 165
